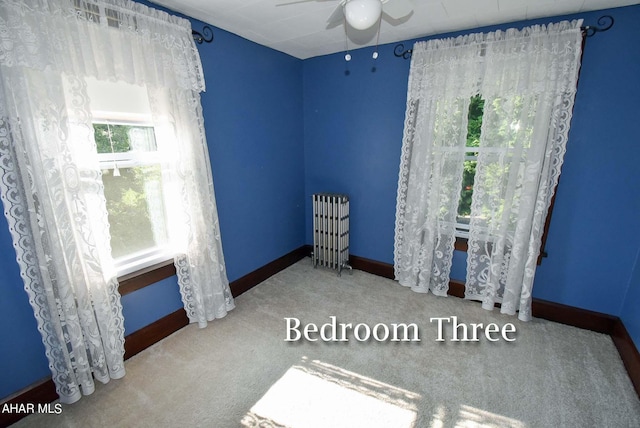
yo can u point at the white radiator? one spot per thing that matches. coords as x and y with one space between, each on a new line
331 231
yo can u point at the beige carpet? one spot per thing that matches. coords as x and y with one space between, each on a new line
239 371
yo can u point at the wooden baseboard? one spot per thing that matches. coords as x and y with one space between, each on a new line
576 317
145 337
44 391
372 266
628 352
556 312
254 278
141 339
41 392
158 330
456 288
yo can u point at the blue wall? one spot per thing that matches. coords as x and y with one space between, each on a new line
280 129
253 113
353 136
22 358
595 231
353 123
253 118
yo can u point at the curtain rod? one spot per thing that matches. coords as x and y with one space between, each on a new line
605 22
205 36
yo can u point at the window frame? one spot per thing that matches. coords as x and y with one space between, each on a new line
139 261
462 244
461 229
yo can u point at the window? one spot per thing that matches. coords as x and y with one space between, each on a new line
132 179
496 151
132 175
474 127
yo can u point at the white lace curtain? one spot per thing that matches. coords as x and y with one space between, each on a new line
51 184
528 80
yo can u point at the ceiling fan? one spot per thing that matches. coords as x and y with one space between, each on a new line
363 14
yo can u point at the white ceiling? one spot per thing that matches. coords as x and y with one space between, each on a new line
300 29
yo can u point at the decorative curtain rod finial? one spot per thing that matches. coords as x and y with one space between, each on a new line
206 36
401 52
605 22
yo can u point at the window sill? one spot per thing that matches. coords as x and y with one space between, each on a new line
462 244
141 278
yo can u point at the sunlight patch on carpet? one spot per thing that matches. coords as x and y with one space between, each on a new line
317 394
471 417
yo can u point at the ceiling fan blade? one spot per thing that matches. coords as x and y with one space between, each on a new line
287 3
338 14
397 9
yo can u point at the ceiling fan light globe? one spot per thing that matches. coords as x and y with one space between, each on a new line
362 14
